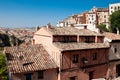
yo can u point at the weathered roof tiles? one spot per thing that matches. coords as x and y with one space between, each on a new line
112 36
71 31
28 58
80 46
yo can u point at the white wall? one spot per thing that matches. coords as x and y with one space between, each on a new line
115 7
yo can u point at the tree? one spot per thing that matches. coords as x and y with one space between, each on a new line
102 27
115 21
3 69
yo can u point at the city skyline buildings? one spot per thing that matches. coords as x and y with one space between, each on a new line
31 13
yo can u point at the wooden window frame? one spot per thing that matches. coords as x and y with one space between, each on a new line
94 56
75 58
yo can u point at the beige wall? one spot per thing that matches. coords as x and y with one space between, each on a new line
43 37
50 74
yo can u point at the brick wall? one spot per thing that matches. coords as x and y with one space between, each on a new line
50 74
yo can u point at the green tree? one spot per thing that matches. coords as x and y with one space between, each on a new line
115 21
3 69
102 27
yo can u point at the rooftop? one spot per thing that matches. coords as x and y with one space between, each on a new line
28 58
112 36
79 46
71 31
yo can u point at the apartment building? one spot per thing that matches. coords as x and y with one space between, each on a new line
72 20
79 54
91 18
103 16
95 17
114 7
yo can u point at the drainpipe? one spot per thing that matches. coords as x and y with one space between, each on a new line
60 66
117 31
9 76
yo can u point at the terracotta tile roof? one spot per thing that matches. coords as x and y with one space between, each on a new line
79 46
112 36
28 58
61 31
87 32
71 31
102 10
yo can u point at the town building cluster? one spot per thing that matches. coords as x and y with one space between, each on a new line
24 35
94 17
67 53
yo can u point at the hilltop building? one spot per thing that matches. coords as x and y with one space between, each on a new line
94 17
114 7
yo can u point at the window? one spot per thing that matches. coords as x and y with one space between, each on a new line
111 7
115 50
115 8
75 58
118 7
111 11
87 39
73 78
28 76
104 16
40 74
94 56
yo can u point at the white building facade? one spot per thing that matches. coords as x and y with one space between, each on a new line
114 7
91 18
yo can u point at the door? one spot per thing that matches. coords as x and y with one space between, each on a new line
118 70
91 75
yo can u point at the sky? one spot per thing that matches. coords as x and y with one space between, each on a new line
32 13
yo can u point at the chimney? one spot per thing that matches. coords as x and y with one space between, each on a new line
117 31
48 25
37 28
